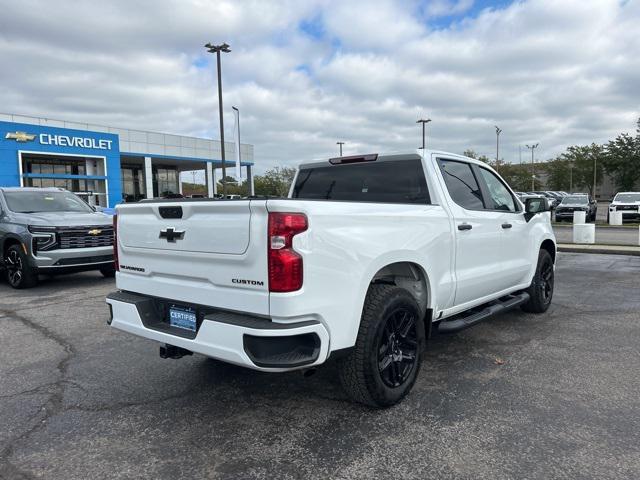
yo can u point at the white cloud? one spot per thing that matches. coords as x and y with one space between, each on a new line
439 8
557 73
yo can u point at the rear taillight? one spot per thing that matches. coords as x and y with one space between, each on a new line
285 264
115 243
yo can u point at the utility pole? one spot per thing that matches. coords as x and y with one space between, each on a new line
520 153
595 172
498 132
570 177
340 144
533 173
423 122
217 49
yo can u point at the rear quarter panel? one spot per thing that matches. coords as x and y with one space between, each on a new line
346 244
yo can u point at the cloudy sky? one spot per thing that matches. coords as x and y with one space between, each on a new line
306 74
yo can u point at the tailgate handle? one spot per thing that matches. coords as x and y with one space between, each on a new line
170 212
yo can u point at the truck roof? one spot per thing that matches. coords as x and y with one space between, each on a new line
391 156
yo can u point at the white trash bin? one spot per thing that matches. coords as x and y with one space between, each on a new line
584 233
615 218
579 216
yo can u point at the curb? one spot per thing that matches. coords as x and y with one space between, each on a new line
602 249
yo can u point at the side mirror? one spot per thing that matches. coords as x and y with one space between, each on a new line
535 205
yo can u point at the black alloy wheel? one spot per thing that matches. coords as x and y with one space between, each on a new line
541 289
382 367
545 282
19 273
13 264
397 347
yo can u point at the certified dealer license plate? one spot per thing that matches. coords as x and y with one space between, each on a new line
182 317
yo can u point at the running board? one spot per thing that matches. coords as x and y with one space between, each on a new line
460 323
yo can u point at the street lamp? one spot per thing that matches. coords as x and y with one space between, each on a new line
570 176
340 144
217 49
423 122
595 161
498 132
533 174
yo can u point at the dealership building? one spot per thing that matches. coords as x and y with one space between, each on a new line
108 165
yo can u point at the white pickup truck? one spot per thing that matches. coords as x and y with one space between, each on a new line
366 255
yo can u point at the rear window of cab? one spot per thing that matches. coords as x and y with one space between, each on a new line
397 181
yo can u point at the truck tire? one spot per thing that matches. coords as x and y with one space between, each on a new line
108 272
384 364
19 273
541 289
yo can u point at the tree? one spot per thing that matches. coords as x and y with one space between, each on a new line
233 187
275 182
622 159
559 174
581 161
517 176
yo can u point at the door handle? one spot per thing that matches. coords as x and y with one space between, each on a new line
506 225
464 226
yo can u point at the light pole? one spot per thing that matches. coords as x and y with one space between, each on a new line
340 144
520 153
498 132
423 121
533 173
238 159
570 177
595 162
217 49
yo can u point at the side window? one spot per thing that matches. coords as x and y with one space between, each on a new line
462 184
501 198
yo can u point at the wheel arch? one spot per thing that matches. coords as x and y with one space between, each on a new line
412 277
8 242
550 246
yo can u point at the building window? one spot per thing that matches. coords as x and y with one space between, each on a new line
132 183
56 165
165 181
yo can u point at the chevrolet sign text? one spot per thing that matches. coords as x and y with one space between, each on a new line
80 142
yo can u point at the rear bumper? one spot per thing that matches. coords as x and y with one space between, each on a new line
244 340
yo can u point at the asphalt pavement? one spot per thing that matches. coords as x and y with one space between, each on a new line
519 396
605 235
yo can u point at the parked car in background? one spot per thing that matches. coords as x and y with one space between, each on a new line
357 264
555 195
553 200
50 231
628 203
576 202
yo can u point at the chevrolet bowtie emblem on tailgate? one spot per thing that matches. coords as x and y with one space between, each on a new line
171 235
95 231
20 136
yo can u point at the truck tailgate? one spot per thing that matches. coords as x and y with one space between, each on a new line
202 252
206 227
